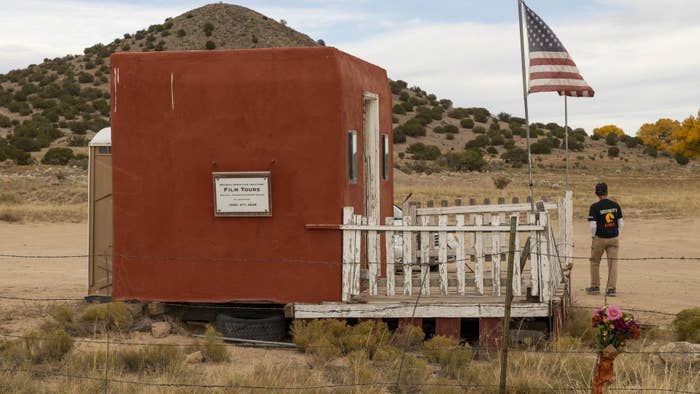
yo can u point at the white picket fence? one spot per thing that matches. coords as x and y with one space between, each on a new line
383 261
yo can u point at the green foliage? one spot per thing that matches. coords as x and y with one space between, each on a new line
399 109
34 134
446 129
504 117
491 150
479 142
5 121
629 141
447 352
181 33
210 45
541 147
149 359
509 144
497 139
11 152
681 159
40 346
57 156
467 123
459 113
208 29
494 126
481 118
412 128
651 151
469 160
446 104
686 325
479 130
109 316
368 336
501 182
84 77
213 347
611 139
408 337
397 86
515 156
421 151
613 151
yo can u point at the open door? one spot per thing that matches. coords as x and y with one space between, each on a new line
100 215
372 170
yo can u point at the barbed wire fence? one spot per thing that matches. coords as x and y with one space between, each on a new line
108 340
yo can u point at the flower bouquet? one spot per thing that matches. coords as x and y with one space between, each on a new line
614 328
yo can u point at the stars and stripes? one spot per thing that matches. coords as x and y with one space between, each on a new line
551 67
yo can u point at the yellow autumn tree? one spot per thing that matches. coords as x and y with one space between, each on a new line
659 134
603 131
687 138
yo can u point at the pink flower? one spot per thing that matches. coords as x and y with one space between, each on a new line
597 311
613 312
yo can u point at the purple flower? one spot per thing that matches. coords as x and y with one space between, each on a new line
597 311
613 312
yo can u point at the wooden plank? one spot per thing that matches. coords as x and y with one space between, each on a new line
504 236
425 257
496 258
460 257
372 256
569 205
391 310
348 253
390 268
357 259
417 228
517 272
479 257
466 209
545 266
442 254
534 258
407 256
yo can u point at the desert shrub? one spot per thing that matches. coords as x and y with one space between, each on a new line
611 139
686 325
397 86
398 136
420 151
479 142
10 152
501 182
467 123
208 29
109 316
181 33
408 337
494 126
414 372
84 77
398 109
575 145
479 130
628 140
57 156
368 336
412 128
681 159
210 45
497 139
613 151
509 144
651 151
446 104
481 118
404 96
504 117
63 315
149 359
213 347
46 346
448 353
386 353
492 150
578 325
469 160
541 147
401 155
34 134
446 129
305 333
458 113
437 112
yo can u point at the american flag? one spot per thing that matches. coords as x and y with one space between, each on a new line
551 67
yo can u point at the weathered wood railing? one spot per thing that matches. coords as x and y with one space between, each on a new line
376 257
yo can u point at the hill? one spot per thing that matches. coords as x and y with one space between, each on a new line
64 101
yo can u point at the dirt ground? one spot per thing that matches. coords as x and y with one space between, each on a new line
661 285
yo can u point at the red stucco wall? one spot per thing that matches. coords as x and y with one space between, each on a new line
286 111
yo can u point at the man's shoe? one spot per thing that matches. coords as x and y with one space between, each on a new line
593 290
610 292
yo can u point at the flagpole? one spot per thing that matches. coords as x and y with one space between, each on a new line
527 115
566 139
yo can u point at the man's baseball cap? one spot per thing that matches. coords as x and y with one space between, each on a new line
601 189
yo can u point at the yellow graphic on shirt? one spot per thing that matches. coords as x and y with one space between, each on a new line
609 218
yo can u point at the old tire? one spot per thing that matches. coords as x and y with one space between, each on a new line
273 328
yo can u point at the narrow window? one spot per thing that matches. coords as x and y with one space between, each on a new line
104 150
385 157
352 156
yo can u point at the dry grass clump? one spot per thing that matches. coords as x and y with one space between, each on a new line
368 336
279 376
109 316
152 359
409 337
213 347
686 325
447 352
37 347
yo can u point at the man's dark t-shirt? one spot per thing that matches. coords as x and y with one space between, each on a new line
606 214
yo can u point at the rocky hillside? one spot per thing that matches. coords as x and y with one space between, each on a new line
64 101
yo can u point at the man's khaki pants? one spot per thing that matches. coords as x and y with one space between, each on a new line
610 246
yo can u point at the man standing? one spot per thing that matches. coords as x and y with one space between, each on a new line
605 222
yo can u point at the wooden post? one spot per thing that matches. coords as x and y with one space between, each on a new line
348 253
461 257
479 256
407 253
545 267
534 257
372 258
509 300
390 269
517 274
425 257
357 260
442 254
496 257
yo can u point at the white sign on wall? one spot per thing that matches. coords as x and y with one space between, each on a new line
242 194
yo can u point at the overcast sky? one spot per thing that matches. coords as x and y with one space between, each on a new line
640 56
